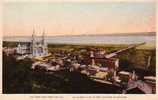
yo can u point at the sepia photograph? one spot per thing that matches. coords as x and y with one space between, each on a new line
79 48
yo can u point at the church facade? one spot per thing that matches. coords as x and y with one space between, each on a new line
34 48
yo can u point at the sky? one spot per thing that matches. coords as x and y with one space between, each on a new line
81 18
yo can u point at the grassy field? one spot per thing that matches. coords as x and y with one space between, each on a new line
147 46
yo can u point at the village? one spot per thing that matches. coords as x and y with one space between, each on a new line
96 64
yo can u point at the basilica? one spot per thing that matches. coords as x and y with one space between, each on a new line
35 47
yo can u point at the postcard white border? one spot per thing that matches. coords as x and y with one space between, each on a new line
75 96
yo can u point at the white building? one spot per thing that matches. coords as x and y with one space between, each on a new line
22 49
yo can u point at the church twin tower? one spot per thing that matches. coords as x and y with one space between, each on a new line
39 48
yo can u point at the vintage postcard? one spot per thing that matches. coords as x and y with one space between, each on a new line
80 49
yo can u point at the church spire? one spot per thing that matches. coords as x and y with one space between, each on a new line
33 34
33 43
33 30
43 36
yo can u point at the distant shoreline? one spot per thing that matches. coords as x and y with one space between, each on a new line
115 34
88 39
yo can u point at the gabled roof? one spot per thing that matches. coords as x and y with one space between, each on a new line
144 87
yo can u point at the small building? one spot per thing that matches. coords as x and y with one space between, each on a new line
151 80
23 49
138 87
124 76
98 57
9 50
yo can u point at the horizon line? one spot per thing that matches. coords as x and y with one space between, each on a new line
109 34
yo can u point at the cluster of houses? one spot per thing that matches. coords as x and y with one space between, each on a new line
99 68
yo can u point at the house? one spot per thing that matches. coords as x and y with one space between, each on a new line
138 87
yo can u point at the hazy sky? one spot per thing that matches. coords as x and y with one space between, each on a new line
78 18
